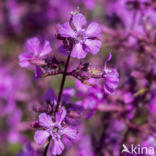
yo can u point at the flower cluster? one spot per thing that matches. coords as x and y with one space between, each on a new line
78 42
90 87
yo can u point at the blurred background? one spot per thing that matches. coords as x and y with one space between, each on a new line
128 31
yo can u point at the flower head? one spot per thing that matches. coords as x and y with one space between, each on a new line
54 129
35 50
85 39
111 77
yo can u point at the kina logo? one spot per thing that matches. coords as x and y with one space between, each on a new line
135 150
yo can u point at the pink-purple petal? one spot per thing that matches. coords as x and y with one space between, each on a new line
24 59
111 77
93 30
33 45
45 120
78 51
57 147
93 46
79 21
60 116
46 49
41 136
70 133
65 30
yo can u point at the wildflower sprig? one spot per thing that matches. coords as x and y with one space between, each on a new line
77 41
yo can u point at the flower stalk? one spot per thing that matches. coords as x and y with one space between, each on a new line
46 149
62 83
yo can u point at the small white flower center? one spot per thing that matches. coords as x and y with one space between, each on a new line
56 131
81 37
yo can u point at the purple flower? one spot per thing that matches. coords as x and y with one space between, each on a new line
85 39
92 96
89 102
55 130
111 77
35 50
67 94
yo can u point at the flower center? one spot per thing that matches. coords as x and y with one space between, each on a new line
80 35
55 129
56 132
